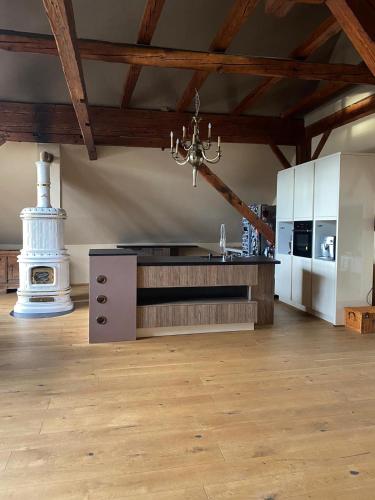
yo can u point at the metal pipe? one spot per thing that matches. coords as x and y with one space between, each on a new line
43 180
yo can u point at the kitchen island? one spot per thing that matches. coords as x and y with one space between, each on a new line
136 296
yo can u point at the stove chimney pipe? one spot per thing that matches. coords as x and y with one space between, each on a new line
43 180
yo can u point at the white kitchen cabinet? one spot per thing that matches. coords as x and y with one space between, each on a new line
323 289
326 187
304 191
283 277
301 281
285 194
343 190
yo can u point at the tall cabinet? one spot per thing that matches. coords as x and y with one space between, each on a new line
337 193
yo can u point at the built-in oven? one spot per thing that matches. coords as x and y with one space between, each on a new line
302 238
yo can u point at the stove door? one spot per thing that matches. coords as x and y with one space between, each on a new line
42 275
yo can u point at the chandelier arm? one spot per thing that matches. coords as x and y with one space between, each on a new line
184 162
212 160
176 156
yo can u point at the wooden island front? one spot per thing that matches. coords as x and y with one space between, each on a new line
135 296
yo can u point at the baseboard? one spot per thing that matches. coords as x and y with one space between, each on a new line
308 310
293 304
327 318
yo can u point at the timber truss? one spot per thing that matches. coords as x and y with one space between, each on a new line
81 123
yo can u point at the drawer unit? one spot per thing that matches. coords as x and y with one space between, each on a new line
113 298
9 274
206 275
166 315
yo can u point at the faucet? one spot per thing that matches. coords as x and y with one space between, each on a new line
224 250
223 241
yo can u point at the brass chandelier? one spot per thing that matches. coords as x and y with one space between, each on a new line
194 148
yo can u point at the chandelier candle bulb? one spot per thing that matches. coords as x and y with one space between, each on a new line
183 132
218 143
171 141
177 143
209 131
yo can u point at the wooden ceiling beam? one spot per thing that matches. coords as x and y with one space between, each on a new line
321 144
236 202
280 156
357 19
196 82
327 29
351 113
61 18
278 8
320 96
324 32
281 7
185 59
238 14
303 151
147 28
138 127
255 95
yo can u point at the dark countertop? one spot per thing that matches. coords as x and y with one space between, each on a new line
183 260
109 251
162 245
202 260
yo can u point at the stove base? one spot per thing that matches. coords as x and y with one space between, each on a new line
40 315
38 304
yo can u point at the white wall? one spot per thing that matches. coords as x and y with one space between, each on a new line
17 187
140 195
356 137
134 195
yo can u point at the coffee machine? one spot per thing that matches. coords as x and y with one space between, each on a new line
328 248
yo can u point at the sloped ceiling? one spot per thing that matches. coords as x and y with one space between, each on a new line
183 24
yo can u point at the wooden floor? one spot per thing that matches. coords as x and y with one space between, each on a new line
280 413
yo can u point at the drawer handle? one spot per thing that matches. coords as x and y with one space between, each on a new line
101 320
102 299
101 279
